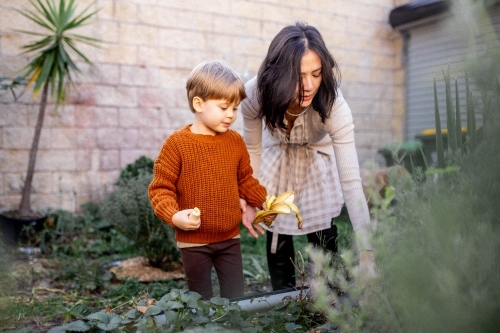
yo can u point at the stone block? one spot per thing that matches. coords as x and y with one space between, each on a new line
179 39
147 139
12 43
109 138
117 54
17 138
268 31
139 34
109 159
106 10
83 94
245 9
63 116
186 60
149 97
323 6
134 75
125 11
94 117
84 159
139 117
156 56
277 13
56 160
218 7
108 32
13 183
104 73
176 118
129 138
250 46
14 115
116 96
174 78
82 138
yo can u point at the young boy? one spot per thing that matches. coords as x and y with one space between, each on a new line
206 165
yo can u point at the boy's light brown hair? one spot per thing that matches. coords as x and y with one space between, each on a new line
214 80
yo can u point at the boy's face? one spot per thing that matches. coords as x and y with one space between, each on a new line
213 115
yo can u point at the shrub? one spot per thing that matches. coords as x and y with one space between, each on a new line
129 210
142 165
437 245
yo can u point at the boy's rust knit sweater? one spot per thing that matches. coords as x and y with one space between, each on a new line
208 172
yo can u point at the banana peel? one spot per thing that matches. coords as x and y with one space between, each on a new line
282 204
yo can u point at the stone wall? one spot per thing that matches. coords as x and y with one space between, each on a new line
133 97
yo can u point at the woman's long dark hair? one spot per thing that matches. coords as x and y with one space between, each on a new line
279 74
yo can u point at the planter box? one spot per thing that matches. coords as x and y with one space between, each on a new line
11 228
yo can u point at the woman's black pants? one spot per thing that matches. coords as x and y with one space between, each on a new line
280 265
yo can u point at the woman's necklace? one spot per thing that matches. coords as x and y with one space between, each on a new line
299 114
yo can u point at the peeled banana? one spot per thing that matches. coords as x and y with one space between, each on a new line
195 214
282 204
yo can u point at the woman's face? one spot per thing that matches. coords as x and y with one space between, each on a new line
310 71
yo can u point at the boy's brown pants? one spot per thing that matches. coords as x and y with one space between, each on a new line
225 257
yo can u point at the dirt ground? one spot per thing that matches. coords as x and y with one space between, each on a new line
138 268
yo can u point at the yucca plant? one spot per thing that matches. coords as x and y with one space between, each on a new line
49 71
453 121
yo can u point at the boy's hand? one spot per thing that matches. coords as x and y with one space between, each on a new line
182 220
247 216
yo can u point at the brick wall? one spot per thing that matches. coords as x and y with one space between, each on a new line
133 97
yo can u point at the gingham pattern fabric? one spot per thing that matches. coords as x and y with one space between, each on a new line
287 168
317 161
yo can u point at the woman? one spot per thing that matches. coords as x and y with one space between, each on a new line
300 136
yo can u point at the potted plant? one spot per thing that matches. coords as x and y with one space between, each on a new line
49 72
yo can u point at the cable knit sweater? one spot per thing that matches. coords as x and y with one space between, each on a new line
208 172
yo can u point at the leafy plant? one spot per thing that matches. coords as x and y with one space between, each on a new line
142 165
129 210
185 311
52 65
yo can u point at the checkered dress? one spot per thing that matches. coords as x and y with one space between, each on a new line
318 161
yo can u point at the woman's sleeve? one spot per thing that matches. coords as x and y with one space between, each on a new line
341 130
252 125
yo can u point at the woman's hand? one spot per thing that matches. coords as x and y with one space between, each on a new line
247 216
182 221
268 220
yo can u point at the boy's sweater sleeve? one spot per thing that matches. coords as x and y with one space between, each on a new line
162 191
249 187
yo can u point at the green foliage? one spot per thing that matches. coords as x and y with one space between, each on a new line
132 287
437 244
438 256
6 278
184 311
142 165
68 234
53 63
128 209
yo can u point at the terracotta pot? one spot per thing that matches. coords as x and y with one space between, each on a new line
11 227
